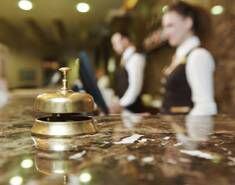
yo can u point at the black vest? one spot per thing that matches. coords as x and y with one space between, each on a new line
121 81
177 90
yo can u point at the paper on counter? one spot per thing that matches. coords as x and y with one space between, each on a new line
78 155
131 158
197 153
129 140
148 159
167 138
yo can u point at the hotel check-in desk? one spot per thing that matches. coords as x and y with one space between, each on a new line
154 150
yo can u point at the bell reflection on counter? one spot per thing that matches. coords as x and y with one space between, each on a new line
63 166
68 118
49 164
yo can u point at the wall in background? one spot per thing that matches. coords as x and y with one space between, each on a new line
23 70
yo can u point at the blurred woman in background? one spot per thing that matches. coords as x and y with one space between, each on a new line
188 80
130 74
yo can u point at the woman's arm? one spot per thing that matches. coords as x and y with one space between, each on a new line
200 75
135 70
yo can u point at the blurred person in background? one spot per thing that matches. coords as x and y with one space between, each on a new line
3 83
188 80
87 82
130 74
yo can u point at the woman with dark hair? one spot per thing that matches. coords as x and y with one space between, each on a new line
188 80
130 74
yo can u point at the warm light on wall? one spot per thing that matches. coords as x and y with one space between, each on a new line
216 10
25 5
83 7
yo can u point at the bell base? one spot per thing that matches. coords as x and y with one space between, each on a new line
58 133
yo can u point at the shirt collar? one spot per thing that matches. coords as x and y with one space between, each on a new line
128 52
186 46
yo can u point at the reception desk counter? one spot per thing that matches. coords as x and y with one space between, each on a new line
156 150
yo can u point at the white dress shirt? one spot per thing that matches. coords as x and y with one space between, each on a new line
200 68
134 64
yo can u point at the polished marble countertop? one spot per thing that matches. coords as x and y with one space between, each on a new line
162 150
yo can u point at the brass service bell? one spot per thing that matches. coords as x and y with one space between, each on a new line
68 117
